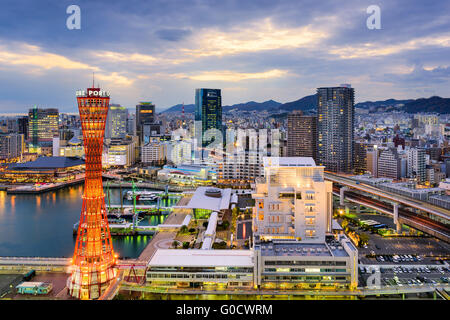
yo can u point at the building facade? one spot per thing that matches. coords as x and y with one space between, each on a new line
207 119
389 164
416 164
11 147
294 244
43 125
116 122
145 113
302 135
294 201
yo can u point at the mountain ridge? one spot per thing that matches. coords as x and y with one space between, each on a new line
432 104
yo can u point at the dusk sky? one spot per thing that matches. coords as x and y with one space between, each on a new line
160 51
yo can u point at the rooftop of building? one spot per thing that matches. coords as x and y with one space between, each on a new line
48 163
210 198
289 162
369 179
30 284
443 197
202 258
407 187
74 141
294 248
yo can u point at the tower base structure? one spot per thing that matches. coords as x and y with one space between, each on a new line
87 283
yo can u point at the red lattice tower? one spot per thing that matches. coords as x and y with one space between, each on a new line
94 259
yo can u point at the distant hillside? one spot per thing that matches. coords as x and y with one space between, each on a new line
188 108
432 104
382 103
305 103
252 105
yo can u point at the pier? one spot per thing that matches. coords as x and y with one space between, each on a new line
37 189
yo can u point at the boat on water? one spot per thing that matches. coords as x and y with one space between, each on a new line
116 220
142 195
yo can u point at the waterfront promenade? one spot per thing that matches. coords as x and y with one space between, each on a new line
164 238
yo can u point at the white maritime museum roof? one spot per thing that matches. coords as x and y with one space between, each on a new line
210 198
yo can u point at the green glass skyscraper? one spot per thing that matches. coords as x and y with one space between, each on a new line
208 116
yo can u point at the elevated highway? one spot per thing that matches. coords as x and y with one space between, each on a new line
394 197
407 217
395 205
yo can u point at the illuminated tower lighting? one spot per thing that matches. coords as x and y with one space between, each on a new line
94 259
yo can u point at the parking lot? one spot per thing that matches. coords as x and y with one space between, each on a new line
428 248
406 275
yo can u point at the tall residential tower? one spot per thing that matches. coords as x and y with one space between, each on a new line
302 135
335 128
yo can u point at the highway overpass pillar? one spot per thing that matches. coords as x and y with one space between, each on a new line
398 225
341 193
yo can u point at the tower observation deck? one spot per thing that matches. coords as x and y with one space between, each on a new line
94 259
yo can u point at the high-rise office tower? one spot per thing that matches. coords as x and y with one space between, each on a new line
43 125
131 124
22 123
93 259
116 122
360 156
372 155
335 126
302 135
208 118
145 113
416 164
11 146
389 164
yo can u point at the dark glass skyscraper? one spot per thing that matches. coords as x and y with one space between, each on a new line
335 128
208 115
145 113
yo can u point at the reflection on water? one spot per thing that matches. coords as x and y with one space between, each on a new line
41 225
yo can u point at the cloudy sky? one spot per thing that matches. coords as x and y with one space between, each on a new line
161 50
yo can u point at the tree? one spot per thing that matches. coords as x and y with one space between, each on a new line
235 211
185 245
175 244
363 239
184 229
344 224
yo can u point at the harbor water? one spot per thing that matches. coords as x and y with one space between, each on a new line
41 225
